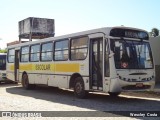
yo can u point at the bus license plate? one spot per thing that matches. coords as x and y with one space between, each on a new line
139 84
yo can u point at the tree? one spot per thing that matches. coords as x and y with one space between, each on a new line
154 32
3 51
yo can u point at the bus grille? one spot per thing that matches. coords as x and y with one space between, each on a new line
133 87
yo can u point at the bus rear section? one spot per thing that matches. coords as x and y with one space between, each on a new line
3 77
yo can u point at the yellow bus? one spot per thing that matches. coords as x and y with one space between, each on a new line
109 59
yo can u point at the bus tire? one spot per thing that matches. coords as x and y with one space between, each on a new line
114 94
79 89
25 82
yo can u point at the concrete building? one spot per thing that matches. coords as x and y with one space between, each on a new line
155 46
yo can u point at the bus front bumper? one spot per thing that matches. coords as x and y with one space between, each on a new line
118 85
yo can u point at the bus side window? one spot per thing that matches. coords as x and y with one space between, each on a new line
61 50
24 54
46 52
11 55
79 48
35 53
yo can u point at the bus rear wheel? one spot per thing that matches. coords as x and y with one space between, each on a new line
79 89
25 82
114 94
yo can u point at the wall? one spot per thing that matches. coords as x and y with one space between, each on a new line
155 46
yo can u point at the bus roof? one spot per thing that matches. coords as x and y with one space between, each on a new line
105 30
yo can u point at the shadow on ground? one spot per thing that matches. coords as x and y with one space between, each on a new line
98 102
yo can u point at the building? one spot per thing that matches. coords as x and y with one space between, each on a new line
155 46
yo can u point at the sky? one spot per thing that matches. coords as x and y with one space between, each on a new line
78 15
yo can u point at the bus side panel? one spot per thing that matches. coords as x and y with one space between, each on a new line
86 83
106 84
31 78
62 81
20 77
45 79
41 79
10 71
38 78
10 75
52 81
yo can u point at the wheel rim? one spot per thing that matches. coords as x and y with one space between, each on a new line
79 88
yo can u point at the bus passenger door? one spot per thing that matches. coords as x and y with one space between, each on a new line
16 66
96 63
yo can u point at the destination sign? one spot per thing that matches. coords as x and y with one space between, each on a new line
118 32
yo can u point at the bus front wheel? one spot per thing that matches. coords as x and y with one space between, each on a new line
79 90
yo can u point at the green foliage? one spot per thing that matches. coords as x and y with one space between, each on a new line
3 51
154 32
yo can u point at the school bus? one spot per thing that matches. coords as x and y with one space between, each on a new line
86 61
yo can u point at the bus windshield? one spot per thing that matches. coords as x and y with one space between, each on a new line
131 54
2 62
